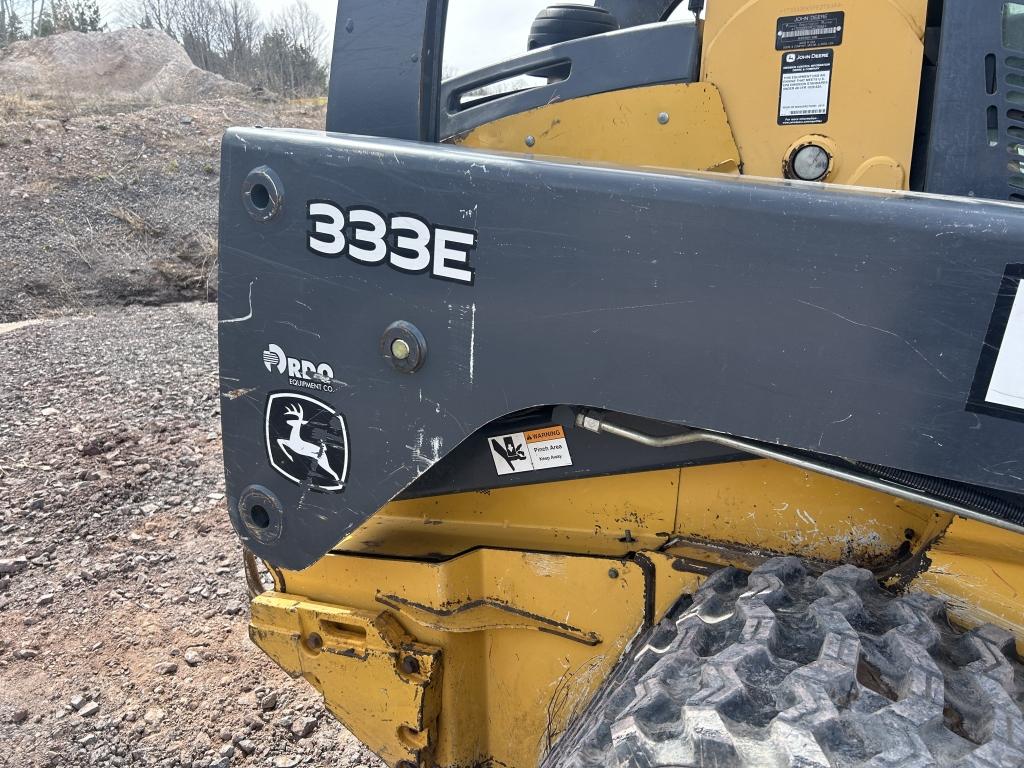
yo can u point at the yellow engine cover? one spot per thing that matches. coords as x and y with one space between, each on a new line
845 75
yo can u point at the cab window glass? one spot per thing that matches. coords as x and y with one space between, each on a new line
483 33
1013 26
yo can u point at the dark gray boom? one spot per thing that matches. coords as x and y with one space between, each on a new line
847 323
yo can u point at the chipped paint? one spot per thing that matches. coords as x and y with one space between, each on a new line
234 394
545 565
979 570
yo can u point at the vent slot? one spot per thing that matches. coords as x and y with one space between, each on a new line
990 74
1015 61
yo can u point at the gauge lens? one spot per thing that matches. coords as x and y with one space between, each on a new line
810 163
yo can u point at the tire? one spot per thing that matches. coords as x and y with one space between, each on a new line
782 668
569 21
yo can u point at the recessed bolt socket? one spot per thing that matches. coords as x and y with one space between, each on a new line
261 513
263 193
410 665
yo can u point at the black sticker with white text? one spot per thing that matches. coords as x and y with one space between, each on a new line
812 30
998 388
806 87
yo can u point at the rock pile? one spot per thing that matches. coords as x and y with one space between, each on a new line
129 65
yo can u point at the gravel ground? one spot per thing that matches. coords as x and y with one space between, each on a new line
122 597
106 205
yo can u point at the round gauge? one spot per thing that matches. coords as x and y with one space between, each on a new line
810 163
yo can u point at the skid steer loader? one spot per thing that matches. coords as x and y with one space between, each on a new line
664 410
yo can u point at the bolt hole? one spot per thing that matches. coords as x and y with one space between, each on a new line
260 516
260 196
314 642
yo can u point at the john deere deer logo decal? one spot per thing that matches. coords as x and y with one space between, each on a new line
307 441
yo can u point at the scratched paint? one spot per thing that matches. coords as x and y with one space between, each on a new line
426 452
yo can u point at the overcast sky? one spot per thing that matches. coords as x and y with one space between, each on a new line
480 32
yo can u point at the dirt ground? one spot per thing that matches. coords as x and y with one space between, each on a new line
123 604
115 204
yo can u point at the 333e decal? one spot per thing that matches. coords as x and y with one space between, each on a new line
403 241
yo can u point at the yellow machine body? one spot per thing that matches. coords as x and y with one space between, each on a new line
516 603
872 107
731 120
468 629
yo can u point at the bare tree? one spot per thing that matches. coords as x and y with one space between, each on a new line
158 14
11 25
228 37
238 34
302 26
197 26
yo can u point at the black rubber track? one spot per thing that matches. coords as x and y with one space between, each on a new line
783 668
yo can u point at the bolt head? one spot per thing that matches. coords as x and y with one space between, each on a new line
400 349
613 573
663 118
530 141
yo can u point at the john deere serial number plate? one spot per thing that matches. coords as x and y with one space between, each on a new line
812 30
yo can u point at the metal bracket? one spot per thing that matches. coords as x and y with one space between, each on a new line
342 650
482 615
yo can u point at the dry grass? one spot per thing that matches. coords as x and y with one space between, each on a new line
20 105
136 223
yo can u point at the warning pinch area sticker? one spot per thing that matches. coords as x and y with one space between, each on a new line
530 451
998 388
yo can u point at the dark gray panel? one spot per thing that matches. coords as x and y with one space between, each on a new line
835 320
660 53
964 156
385 68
